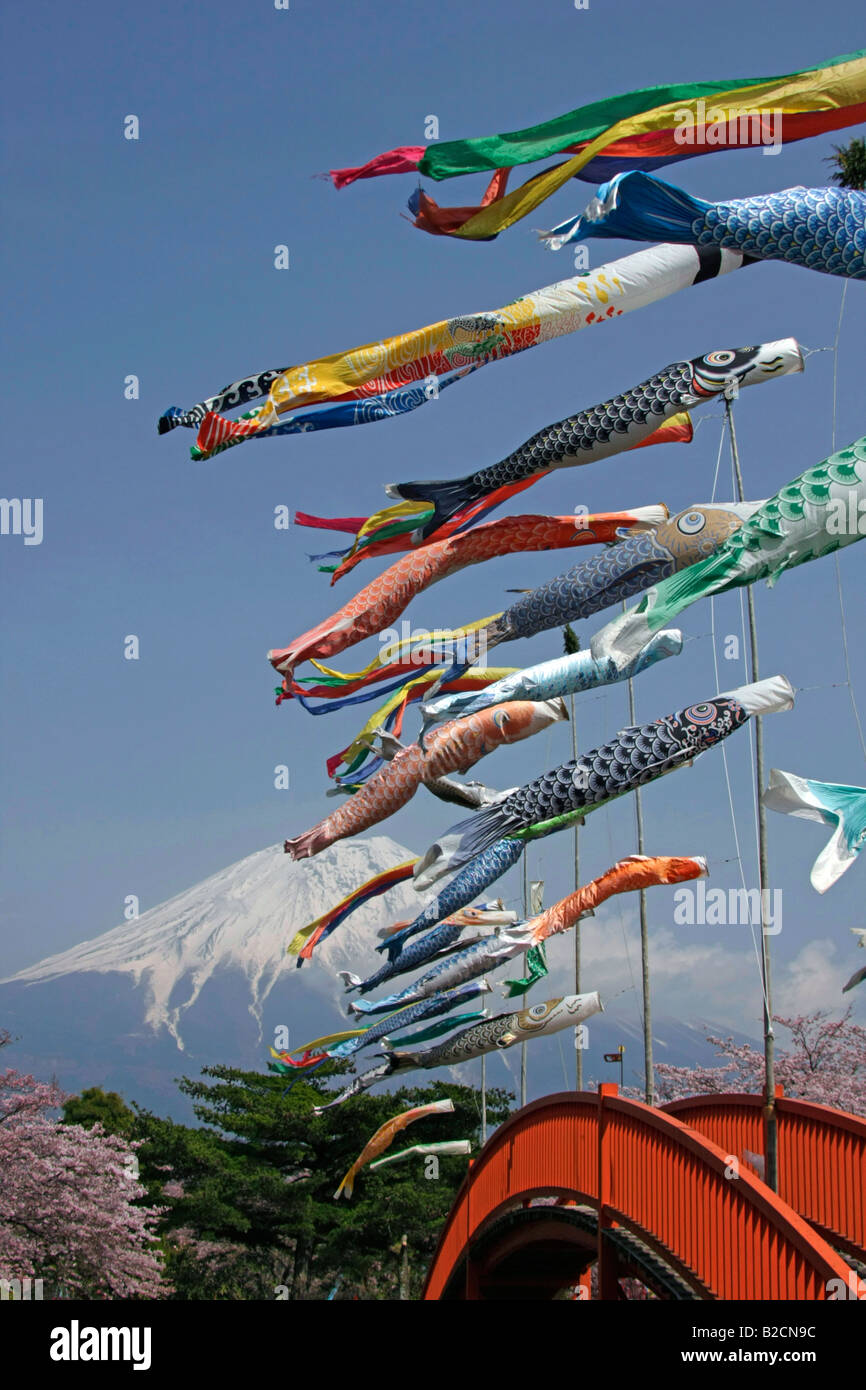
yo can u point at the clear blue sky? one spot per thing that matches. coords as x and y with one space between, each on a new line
155 257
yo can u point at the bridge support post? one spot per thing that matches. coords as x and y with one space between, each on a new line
608 1288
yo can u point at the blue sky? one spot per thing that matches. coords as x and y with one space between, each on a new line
155 257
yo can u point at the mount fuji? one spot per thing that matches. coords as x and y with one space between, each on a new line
204 978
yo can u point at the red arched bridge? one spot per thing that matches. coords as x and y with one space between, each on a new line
669 1196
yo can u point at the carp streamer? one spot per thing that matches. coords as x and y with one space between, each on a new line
635 756
455 747
654 412
468 340
829 803
811 516
384 1137
819 228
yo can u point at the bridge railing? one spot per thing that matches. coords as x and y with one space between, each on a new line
821 1156
728 1235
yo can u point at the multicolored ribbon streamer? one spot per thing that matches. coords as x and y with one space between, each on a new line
305 941
645 129
390 715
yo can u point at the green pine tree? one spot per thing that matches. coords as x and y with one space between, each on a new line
850 162
95 1106
570 639
249 1196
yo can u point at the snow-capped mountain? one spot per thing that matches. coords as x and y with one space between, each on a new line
204 978
242 919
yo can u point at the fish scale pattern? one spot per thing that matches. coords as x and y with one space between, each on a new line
496 860
820 228
637 755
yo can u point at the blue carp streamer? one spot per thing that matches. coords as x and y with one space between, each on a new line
819 228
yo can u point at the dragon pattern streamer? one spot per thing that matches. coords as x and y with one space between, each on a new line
635 756
466 340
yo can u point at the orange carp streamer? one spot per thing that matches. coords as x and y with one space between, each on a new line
385 1135
627 876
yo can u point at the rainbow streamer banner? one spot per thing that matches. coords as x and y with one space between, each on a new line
304 942
645 129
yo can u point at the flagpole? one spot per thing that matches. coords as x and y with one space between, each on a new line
644 931
578 1051
571 645
525 971
771 1156
483 1098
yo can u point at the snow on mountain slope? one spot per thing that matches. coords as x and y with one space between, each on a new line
243 918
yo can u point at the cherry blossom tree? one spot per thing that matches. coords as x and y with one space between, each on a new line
68 1212
824 1061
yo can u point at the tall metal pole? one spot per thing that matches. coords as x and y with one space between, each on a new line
771 1156
484 1098
404 1268
578 1081
644 933
525 971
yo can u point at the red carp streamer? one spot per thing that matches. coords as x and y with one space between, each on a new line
382 601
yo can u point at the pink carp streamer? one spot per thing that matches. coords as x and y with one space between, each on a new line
382 601
455 747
